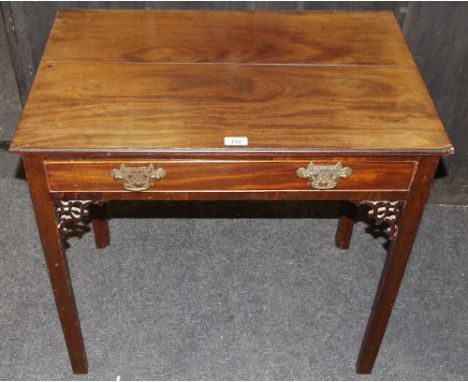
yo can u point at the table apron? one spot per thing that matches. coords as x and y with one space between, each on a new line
231 179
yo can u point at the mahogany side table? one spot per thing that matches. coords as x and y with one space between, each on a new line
196 105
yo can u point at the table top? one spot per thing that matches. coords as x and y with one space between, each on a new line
163 81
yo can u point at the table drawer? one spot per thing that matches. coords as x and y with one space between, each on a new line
219 175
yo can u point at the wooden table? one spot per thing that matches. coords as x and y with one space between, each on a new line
193 105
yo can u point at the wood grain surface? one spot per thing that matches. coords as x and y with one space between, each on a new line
76 176
157 107
369 38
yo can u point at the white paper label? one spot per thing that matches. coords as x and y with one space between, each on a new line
236 141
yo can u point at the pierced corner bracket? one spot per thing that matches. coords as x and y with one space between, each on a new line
385 211
71 211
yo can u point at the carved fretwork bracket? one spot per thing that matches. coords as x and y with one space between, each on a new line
71 211
385 211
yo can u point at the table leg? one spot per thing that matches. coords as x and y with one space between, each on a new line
395 264
56 262
345 227
100 225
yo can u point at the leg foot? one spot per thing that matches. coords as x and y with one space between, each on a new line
395 264
56 262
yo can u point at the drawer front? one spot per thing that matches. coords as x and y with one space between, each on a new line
222 175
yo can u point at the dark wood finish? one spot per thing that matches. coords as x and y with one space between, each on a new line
395 264
158 107
94 175
100 225
440 57
56 262
278 79
345 227
227 37
33 21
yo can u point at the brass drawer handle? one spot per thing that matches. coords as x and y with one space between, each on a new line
137 178
323 177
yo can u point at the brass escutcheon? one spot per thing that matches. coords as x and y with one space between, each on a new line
137 178
323 177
